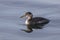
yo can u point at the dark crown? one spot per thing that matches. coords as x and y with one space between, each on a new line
28 13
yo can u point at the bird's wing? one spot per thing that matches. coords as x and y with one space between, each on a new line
39 20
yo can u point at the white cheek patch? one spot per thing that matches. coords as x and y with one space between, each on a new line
27 16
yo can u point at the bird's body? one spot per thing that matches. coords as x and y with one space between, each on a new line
37 22
34 22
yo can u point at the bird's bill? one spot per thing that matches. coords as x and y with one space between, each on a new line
22 16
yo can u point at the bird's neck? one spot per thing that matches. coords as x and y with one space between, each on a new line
28 19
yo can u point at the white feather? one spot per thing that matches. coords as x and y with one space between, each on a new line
26 22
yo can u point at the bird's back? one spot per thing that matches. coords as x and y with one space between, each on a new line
37 22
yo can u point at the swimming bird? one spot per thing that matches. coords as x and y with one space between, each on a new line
34 22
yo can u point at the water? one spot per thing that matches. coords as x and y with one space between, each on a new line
11 10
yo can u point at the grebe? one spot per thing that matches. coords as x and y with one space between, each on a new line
34 22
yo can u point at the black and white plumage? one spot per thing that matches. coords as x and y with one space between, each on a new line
34 22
